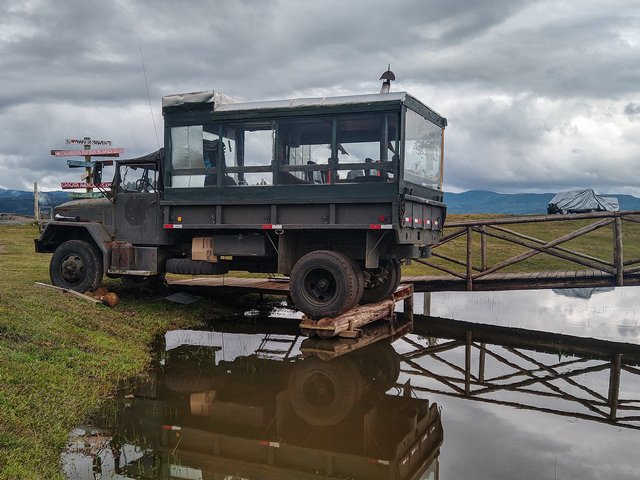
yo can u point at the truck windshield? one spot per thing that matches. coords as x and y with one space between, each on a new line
422 152
138 178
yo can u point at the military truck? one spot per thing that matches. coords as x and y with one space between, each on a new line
335 192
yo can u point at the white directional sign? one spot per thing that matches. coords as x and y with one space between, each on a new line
87 141
68 185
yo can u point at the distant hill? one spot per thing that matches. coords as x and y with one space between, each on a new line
21 201
473 201
480 201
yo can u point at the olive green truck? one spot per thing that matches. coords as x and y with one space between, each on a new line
335 192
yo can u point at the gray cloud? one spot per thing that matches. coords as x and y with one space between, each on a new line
540 95
632 111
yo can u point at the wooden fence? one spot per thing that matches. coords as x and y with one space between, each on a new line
502 229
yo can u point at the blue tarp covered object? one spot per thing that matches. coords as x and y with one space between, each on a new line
580 201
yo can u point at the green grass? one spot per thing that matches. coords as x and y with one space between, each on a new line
61 356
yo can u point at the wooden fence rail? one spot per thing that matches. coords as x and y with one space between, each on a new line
501 229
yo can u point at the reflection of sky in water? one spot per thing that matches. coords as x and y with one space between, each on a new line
488 441
485 441
610 315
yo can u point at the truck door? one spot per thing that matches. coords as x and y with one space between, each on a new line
138 215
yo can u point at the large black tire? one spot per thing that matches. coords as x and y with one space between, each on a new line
383 283
188 382
148 284
186 266
76 265
360 280
323 393
324 284
381 365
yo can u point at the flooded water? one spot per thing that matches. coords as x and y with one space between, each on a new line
466 394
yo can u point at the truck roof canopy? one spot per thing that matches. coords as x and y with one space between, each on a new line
223 103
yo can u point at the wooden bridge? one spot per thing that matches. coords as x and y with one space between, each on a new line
485 254
507 253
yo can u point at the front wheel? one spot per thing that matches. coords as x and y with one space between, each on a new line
76 265
324 284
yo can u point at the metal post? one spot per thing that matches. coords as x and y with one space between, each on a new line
483 249
87 158
618 260
469 259
481 364
467 365
36 203
426 304
614 385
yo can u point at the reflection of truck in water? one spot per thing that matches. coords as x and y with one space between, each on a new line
335 192
257 417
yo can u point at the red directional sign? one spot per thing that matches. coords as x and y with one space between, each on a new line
67 185
105 152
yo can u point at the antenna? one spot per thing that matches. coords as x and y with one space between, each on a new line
388 77
144 71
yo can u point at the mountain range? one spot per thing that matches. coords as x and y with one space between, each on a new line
481 201
474 201
21 201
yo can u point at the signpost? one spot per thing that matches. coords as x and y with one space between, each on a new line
104 152
69 185
83 141
92 168
80 163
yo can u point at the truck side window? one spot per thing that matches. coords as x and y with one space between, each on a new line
258 151
187 157
422 151
249 160
304 151
367 146
197 153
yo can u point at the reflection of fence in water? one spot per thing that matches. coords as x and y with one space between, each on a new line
559 374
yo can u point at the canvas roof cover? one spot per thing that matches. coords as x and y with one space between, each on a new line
224 103
583 201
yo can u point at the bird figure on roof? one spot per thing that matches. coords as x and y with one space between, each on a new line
388 77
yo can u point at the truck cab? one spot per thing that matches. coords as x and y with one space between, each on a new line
335 192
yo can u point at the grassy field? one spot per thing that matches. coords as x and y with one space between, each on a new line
60 356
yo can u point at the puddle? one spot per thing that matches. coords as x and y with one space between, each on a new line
604 313
251 398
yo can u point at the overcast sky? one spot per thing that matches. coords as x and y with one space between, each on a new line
541 96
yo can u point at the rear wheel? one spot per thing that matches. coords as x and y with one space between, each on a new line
359 279
381 366
76 265
323 393
383 282
324 284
